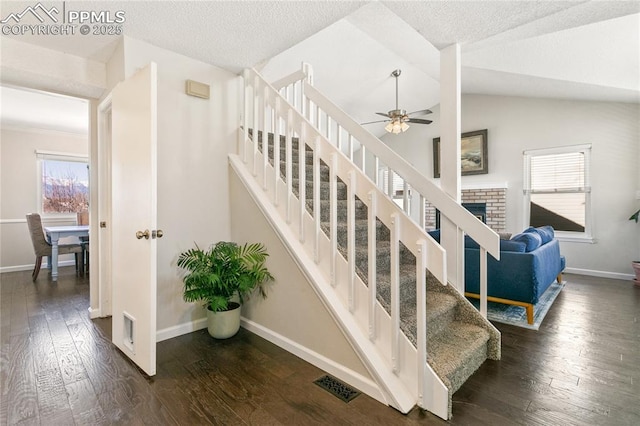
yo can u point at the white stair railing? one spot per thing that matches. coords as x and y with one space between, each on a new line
328 117
293 108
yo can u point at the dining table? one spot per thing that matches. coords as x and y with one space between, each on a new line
54 234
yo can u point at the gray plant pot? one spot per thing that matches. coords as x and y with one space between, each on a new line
225 324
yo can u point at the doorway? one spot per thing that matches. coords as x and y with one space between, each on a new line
44 156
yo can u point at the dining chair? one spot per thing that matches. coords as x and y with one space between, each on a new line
83 219
41 246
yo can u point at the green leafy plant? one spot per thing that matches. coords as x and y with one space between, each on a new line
635 216
215 275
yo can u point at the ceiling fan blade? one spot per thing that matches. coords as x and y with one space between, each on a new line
419 121
421 112
371 122
383 114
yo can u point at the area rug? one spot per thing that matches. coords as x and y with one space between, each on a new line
517 315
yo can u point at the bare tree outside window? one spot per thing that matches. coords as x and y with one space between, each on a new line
65 186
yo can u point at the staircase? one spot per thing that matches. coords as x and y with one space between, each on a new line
424 338
458 341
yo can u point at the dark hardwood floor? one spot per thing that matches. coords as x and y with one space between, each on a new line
58 367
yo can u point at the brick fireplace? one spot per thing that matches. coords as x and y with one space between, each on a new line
494 199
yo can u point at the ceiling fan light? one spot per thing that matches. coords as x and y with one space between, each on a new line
404 126
389 127
397 127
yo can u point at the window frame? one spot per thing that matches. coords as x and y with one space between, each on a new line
55 156
585 149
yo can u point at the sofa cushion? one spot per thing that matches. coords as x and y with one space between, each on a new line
546 232
531 239
514 246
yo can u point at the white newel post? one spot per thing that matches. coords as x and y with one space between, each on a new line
450 102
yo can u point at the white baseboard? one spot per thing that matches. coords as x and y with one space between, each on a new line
600 274
180 329
94 313
363 384
18 268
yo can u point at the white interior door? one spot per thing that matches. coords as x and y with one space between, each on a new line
133 211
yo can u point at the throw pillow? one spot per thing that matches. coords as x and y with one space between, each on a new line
545 232
548 231
513 246
531 239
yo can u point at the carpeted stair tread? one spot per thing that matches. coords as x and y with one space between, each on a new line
441 311
295 157
457 352
341 208
325 189
361 231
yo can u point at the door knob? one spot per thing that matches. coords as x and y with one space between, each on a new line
157 234
141 234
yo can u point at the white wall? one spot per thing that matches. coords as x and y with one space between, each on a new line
194 138
515 124
19 188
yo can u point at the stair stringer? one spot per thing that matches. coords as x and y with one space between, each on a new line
400 389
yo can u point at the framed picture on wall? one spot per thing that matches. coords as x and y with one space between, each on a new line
473 154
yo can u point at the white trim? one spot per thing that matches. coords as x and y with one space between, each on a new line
8 221
362 383
32 128
94 313
66 156
558 149
601 274
180 329
577 237
16 268
471 186
19 268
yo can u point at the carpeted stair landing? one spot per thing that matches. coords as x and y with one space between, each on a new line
458 339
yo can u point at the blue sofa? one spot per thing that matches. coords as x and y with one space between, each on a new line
529 263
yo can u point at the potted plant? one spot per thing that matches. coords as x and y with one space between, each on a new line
219 274
636 263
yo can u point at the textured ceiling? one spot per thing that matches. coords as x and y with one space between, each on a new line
558 49
230 34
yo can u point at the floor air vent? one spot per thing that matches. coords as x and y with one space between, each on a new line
337 388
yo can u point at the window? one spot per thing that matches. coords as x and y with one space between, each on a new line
64 183
557 189
396 187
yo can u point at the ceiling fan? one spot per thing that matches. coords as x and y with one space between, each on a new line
398 118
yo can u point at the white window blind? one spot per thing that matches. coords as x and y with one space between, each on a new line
558 173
